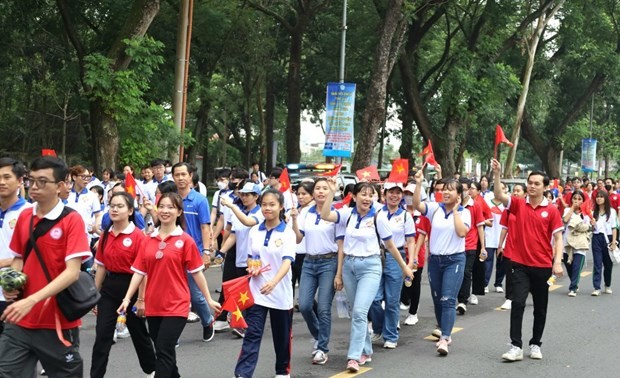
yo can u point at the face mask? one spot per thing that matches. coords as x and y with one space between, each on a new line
222 185
608 187
232 185
409 200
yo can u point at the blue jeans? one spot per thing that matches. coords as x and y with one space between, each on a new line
386 321
361 277
199 302
488 265
318 274
445 276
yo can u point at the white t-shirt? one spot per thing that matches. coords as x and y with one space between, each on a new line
491 234
242 232
360 235
401 224
8 219
301 247
273 247
443 239
605 226
86 203
319 235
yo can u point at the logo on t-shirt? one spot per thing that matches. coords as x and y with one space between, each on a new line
12 223
417 221
278 243
56 233
127 242
179 244
544 214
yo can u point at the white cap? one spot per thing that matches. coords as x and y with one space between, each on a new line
391 185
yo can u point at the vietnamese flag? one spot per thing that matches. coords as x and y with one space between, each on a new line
237 293
333 173
237 320
430 159
345 201
500 138
48 152
427 150
130 185
368 174
400 171
285 181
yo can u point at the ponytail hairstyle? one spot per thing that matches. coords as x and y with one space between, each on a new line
177 202
279 197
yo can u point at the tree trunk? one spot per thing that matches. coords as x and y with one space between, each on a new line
105 132
199 131
390 40
270 107
406 145
552 163
293 100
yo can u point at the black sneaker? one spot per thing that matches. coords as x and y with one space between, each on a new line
208 333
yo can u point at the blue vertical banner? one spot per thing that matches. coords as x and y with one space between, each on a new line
339 116
588 155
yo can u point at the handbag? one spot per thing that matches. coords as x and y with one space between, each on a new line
80 297
614 254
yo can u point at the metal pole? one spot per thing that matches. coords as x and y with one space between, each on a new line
179 74
343 40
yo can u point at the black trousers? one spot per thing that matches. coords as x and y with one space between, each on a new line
230 272
3 306
465 291
165 331
477 274
527 279
296 269
411 295
508 269
112 293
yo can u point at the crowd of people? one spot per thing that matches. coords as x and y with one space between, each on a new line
148 244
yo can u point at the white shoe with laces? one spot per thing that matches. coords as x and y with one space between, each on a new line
473 299
535 352
499 289
403 307
514 354
608 290
507 305
320 358
596 293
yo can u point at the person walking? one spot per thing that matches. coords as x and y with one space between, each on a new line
605 235
534 258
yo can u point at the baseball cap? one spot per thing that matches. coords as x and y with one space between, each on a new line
392 185
410 188
250 187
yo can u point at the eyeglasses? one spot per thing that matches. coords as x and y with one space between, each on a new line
118 206
40 182
85 177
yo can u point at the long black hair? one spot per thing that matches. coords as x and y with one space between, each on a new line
177 202
359 187
606 205
279 197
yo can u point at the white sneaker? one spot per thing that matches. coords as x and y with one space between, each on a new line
514 354
507 305
411 320
442 347
375 337
473 300
390 345
499 289
315 346
283 376
398 325
608 290
403 307
221 325
535 352
596 293
115 337
193 317
152 375
461 308
572 293
320 358
486 290
437 333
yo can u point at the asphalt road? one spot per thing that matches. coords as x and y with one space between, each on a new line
581 338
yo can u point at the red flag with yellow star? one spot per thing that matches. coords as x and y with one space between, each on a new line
285 181
368 174
400 171
130 184
427 150
237 293
237 320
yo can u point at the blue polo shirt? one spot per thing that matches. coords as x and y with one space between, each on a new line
197 212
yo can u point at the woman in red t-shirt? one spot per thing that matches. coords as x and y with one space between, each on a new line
168 253
118 248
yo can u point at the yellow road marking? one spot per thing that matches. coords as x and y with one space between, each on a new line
555 287
433 338
585 274
347 374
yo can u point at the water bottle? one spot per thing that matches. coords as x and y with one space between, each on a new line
408 281
483 256
551 280
341 305
121 322
219 258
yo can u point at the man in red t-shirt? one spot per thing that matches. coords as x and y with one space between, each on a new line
534 259
36 329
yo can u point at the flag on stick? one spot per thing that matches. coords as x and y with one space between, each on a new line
368 174
500 138
400 171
